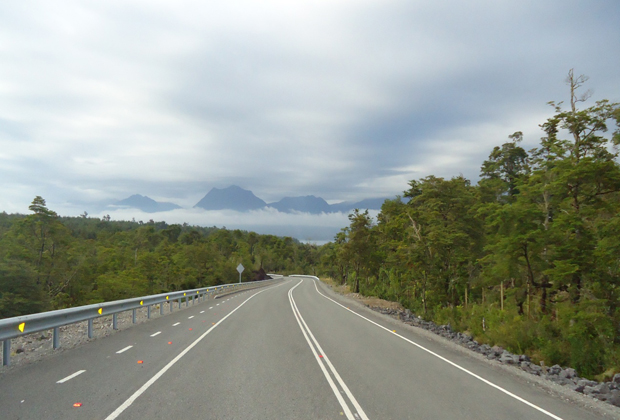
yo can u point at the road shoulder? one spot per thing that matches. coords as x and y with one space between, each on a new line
358 304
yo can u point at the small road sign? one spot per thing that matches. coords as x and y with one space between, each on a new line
240 269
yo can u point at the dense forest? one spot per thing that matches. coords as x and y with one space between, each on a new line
52 262
529 258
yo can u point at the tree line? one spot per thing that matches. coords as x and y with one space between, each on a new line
529 258
51 262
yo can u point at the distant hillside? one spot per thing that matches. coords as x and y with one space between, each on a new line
146 204
231 198
307 204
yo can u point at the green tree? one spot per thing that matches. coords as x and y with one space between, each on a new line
359 246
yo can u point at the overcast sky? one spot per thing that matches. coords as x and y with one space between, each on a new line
343 99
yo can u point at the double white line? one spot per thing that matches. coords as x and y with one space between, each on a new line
321 358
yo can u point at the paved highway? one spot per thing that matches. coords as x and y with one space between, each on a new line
289 351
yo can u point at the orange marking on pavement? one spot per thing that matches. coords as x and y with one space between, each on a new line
140 362
78 404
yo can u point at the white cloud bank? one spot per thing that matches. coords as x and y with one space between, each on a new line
315 228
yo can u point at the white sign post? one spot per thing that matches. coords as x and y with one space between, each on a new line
240 269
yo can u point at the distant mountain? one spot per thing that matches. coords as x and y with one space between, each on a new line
236 198
146 204
307 204
231 198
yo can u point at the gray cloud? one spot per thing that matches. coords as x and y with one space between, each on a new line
345 100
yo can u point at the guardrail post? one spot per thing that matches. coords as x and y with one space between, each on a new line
114 322
187 301
161 308
148 312
133 316
56 339
171 305
179 302
90 328
6 352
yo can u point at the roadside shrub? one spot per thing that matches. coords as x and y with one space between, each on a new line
590 335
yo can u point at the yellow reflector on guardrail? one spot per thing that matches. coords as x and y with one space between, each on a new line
21 327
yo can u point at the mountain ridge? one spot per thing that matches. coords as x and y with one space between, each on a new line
146 204
230 198
242 200
304 204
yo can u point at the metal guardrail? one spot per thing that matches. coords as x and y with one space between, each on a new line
21 325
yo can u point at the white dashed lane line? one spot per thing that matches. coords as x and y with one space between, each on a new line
190 317
211 307
123 350
174 325
202 312
157 333
79 372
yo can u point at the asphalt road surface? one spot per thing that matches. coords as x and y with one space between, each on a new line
289 351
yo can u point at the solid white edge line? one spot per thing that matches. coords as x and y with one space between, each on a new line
499 388
344 386
157 333
73 375
124 406
124 350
